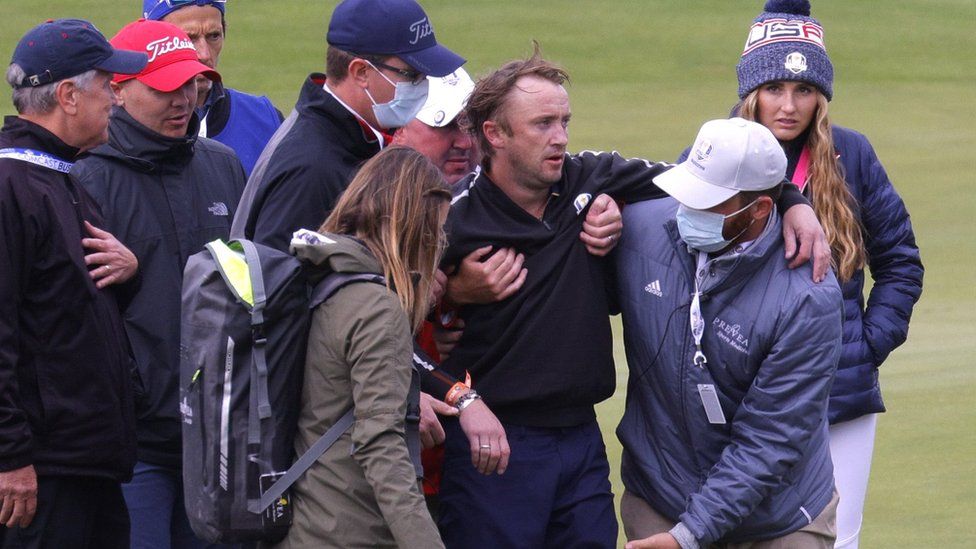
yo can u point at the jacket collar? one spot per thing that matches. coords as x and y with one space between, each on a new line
314 101
732 269
145 150
28 135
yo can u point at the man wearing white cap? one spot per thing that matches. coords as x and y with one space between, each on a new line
438 132
731 354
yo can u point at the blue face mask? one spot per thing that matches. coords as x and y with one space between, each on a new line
702 230
407 101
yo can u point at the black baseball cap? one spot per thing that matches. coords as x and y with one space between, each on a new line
391 27
62 48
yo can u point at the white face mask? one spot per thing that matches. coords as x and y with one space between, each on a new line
407 101
702 230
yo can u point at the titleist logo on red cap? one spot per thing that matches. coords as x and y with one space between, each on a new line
168 45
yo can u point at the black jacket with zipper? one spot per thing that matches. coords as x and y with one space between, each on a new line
164 198
66 395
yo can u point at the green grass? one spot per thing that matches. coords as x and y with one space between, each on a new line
646 74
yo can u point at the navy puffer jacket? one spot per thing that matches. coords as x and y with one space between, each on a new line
872 332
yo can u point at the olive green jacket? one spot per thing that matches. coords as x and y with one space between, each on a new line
363 491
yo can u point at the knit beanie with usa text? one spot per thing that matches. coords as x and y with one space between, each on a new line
785 43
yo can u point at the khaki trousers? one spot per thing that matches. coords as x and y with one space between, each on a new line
641 521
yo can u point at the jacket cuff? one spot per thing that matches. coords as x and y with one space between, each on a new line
683 535
12 463
791 196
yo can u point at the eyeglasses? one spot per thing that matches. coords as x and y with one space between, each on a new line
412 76
179 4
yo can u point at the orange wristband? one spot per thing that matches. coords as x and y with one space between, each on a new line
457 389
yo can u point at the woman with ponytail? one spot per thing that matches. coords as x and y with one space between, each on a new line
785 83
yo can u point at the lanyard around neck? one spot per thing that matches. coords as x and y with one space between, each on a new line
37 158
695 318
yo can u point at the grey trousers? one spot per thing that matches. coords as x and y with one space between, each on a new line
641 521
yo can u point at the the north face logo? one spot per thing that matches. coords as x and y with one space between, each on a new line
654 288
219 208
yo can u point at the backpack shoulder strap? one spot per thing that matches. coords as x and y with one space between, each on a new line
320 294
302 464
336 281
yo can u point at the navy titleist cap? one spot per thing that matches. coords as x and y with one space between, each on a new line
60 49
391 27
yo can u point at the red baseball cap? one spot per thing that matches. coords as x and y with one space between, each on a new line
172 57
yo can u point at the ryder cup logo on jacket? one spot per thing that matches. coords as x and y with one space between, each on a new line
581 201
796 62
167 45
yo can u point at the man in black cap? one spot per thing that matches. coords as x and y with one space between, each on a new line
67 426
379 54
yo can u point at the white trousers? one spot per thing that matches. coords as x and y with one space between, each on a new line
851 447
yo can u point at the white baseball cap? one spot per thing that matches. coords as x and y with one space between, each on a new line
446 97
729 155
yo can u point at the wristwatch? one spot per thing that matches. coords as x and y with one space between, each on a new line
466 399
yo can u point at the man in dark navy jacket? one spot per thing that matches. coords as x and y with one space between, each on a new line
67 425
166 192
379 54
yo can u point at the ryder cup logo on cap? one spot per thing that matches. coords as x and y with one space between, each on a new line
702 150
446 97
391 27
742 156
785 43
172 57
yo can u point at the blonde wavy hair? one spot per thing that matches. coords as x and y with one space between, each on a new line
832 199
393 205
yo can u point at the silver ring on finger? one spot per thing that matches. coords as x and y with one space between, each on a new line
486 446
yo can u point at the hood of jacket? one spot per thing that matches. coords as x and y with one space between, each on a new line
333 253
144 150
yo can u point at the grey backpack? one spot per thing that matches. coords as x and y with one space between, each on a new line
245 320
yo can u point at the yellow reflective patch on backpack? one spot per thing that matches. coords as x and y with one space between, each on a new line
234 268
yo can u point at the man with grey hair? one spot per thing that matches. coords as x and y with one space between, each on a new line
67 425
